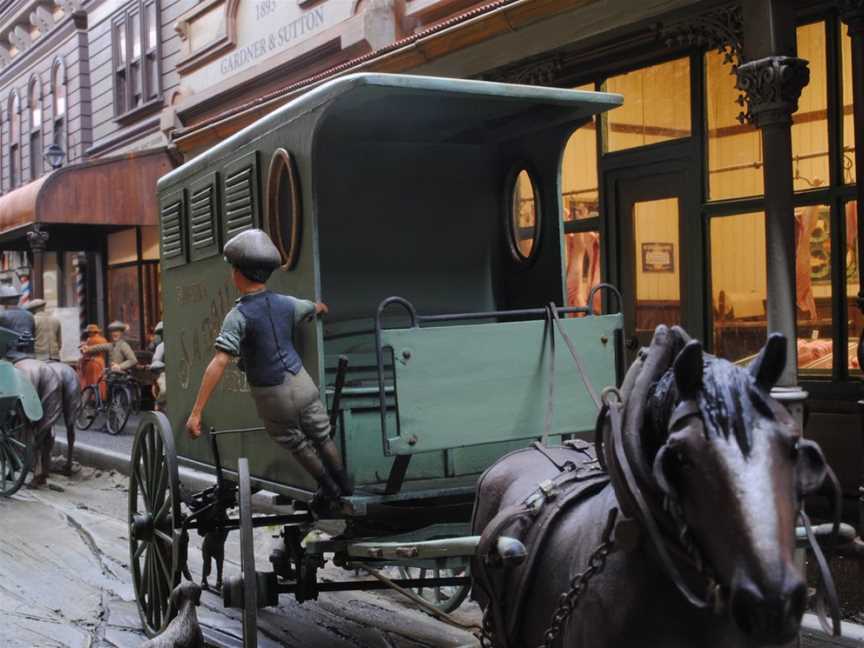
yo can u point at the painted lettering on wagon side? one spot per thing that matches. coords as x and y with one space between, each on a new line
198 347
286 35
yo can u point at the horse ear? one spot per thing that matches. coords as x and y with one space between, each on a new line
811 469
688 369
770 362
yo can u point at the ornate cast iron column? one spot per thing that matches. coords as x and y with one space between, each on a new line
38 241
771 81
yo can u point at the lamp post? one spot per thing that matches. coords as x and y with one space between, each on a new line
55 155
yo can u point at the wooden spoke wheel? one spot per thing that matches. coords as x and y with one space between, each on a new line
444 597
155 535
119 408
247 558
16 453
88 410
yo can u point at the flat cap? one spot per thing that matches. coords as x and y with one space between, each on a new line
35 304
117 325
252 249
7 291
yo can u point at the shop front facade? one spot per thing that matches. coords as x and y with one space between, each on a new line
706 206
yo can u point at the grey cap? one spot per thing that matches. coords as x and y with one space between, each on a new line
117 325
159 327
35 304
7 292
252 249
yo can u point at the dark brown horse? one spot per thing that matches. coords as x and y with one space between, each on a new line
722 467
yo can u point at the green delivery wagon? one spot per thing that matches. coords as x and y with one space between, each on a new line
426 213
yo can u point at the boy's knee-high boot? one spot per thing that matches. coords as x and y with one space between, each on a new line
333 461
311 462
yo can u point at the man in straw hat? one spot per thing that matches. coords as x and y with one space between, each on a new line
120 355
260 331
49 336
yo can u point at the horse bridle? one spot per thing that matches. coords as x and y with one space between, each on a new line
609 439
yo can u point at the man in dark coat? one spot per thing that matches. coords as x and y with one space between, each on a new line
17 319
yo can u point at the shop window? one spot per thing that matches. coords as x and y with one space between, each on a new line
813 288
135 44
810 123
582 257
34 99
283 207
524 216
853 286
656 106
738 285
658 263
58 102
14 118
734 149
579 195
848 117
739 288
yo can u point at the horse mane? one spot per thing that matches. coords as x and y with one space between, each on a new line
726 401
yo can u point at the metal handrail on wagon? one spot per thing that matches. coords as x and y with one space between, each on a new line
400 465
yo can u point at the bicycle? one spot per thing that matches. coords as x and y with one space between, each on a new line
121 390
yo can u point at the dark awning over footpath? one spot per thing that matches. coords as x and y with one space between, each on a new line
110 192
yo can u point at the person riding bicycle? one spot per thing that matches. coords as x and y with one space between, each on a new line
259 330
120 354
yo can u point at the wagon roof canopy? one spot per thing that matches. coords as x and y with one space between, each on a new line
406 108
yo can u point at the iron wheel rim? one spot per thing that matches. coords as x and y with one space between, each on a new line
118 411
154 520
89 408
15 453
446 598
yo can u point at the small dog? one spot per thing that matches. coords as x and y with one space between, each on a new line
213 548
184 631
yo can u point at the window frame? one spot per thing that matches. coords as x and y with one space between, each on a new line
137 80
34 101
58 117
13 116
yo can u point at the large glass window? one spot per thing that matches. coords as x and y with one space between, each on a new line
734 149
813 288
58 102
848 117
852 259
738 285
581 212
14 118
810 123
656 106
135 35
657 263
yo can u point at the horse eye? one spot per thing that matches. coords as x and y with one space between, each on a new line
682 458
794 452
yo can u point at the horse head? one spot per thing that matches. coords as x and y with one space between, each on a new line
730 463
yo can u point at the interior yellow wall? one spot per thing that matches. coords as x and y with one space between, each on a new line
656 221
810 123
738 255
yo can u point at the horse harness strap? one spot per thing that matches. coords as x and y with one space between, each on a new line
635 506
530 520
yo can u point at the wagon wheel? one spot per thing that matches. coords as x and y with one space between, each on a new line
155 535
444 597
88 410
16 453
247 558
119 407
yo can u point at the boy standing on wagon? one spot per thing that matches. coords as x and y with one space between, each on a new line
260 331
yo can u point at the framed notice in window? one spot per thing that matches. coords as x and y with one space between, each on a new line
658 257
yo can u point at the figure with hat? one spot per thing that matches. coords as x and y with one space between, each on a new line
49 334
92 365
120 355
259 330
17 319
157 366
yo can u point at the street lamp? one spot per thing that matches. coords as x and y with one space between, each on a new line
54 154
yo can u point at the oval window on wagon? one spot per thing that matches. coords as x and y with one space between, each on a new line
283 205
524 216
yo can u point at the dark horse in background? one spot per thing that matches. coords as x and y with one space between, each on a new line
724 467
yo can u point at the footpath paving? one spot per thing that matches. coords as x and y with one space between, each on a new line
98 449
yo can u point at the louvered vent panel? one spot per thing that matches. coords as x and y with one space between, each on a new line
172 231
239 202
203 223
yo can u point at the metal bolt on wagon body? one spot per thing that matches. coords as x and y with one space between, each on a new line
443 193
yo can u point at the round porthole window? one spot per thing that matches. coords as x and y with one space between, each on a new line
524 216
283 206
